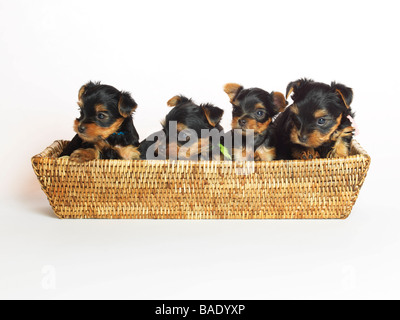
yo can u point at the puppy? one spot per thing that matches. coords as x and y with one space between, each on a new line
253 109
318 124
104 128
190 132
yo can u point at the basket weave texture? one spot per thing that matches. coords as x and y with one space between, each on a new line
120 189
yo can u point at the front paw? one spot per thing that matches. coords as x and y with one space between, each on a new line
128 152
310 154
83 155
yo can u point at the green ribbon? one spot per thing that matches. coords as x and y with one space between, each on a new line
225 152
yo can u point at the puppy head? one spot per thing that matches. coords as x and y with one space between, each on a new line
187 120
253 109
102 111
318 110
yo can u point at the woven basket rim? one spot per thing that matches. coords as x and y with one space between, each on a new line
138 184
51 151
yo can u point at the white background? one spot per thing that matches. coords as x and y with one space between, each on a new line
157 49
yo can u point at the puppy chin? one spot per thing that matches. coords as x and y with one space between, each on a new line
294 138
94 133
85 137
243 131
307 144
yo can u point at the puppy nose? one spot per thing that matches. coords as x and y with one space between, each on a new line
303 138
81 129
242 122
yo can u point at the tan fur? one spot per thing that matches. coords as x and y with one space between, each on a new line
210 121
95 133
128 152
81 92
172 150
341 148
185 152
291 90
258 127
84 155
289 93
295 109
280 101
180 127
125 114
315 138
342 96
235 123
231 89
265 154
242 154
308 154
320 114
239 155
173 102
100 108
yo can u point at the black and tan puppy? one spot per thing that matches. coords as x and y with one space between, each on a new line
253 111
104 128
189 132
318 124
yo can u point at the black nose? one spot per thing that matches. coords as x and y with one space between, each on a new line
303 138
81 129
242 122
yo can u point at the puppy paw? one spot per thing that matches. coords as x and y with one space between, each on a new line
128 152
310 154
83 155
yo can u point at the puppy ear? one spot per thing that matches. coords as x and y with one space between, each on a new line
232 90
280 102
345 93
173 102
126 104
294 86
86 86
81 92
212 113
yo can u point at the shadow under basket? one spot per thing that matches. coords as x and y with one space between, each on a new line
121 189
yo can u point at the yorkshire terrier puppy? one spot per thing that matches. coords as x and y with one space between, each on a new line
190 132
105 127
253 112
319 123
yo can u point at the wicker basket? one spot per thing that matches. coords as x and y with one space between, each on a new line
118 189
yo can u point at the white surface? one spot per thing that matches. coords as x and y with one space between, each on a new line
157 49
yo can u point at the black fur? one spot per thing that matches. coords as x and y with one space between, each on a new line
310 97
193 116
185 112
247 114
118 106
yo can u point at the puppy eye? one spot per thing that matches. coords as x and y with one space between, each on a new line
101 116
260 113
321 121
184 136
